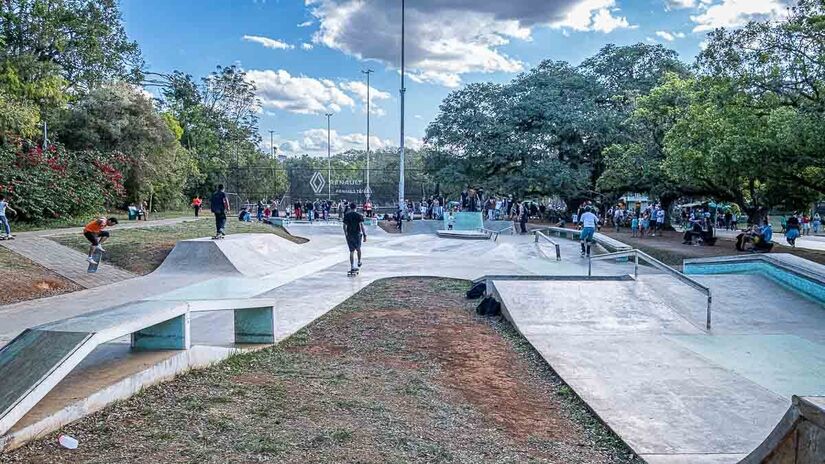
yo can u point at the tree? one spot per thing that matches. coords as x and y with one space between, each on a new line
84 38
17 117
117 118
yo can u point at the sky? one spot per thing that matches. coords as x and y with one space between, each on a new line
306 57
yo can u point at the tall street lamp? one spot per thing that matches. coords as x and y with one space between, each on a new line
271 144
401 202
329 160
367 192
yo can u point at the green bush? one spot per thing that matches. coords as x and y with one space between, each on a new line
56 183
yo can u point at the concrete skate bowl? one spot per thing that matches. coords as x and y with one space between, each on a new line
799 438
242 255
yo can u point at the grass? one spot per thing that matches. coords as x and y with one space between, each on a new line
25 280
81 221
452 387
142 250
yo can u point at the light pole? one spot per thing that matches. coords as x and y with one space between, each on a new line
368 191
401 203
329 160
271 144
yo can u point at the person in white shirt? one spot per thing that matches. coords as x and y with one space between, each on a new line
588 221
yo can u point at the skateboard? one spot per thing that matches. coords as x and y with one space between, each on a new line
97 256
6 237
353 272
219 237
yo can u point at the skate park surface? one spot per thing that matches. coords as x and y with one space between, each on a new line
635 350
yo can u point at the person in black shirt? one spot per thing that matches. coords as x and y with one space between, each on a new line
219 205
353 231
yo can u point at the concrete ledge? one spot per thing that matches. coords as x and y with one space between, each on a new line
608 243
464 234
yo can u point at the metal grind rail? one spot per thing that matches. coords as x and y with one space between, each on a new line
495 233
658 265
540 234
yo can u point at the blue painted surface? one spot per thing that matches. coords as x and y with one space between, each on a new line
465 221
799 283
170 335
255 325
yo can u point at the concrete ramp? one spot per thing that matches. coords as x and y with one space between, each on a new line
249 255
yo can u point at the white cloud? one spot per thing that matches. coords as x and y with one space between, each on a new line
360 90
684 4
298 94
670 36
306 46
268 43
314 142
735 13
594 15
448 38
306 24
413 142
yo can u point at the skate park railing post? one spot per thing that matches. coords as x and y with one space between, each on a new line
658 265
538 234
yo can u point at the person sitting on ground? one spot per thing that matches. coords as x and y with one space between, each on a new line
695 230
94 233
763 241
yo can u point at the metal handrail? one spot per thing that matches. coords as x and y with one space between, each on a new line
538 234
658 265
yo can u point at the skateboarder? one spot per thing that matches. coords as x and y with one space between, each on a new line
4 205
220 207
588 220
353 231
95 234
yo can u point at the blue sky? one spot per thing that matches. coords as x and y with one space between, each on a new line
306 57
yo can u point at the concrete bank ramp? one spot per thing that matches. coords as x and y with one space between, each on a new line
798 438
249 255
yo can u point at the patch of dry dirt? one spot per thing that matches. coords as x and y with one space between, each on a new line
25 280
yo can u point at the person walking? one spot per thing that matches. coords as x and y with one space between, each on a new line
524 213
4 205
196 204
817 223
219 204
353 232
792 230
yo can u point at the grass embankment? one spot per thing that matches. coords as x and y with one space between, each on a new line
401 372
17 226
142 250
25 280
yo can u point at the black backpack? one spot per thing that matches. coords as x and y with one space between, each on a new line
489 307
477 291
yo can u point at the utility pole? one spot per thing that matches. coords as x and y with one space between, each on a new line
329 160
368 191
401 204
271 144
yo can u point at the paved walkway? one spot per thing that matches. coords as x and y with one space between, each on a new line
808 242
70 263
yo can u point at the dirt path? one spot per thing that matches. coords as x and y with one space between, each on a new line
25 280
402 372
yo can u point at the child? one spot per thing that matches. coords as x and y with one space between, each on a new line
634 226
450 221
95 234
4 205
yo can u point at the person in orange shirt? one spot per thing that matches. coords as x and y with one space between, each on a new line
95 234
196 203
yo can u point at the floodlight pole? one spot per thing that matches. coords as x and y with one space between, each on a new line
401 204
368 191
329 160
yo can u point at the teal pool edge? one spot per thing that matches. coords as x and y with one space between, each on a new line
785 277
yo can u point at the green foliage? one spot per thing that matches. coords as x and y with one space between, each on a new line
85 39
57 183
17 117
